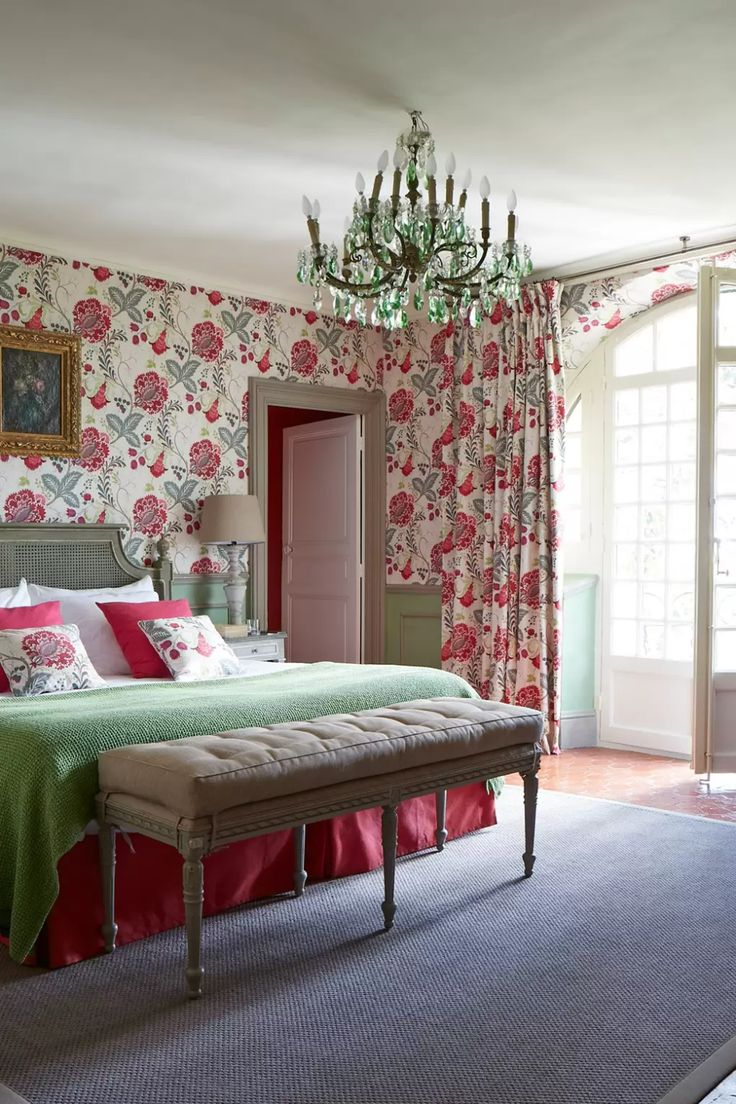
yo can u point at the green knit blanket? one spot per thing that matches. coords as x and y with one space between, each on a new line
49 747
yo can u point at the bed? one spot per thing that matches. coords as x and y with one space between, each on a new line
50 900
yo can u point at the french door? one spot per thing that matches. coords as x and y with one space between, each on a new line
649 534
714 746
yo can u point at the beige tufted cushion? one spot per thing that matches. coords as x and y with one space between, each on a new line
205 775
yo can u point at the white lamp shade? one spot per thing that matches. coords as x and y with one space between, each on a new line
231 519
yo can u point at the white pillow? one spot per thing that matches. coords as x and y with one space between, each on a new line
79 607
11 597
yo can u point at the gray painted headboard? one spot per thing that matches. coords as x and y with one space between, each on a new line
77 557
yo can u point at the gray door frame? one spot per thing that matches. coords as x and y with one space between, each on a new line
371 406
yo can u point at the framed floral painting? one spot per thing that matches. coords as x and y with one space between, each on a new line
39 392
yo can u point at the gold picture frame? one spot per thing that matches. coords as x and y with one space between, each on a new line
40 380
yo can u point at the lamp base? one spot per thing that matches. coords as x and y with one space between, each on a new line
236 585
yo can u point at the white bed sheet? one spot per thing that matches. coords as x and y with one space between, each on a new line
249 668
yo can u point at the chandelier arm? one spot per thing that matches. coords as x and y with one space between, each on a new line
470 272
395 258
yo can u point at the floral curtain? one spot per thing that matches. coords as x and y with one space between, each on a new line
500 457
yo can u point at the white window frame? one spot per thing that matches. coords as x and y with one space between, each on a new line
657 741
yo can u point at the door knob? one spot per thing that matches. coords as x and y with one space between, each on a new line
288 549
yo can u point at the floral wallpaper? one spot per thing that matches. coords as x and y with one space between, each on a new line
165 371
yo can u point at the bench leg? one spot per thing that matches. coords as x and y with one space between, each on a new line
531 787
193 895
389 828
300 874
440 804
106 844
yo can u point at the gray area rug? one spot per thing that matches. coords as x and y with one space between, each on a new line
604 979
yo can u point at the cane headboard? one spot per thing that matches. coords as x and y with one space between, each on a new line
76 557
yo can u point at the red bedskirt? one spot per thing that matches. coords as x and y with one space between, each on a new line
148 881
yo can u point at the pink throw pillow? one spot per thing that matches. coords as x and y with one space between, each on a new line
123 618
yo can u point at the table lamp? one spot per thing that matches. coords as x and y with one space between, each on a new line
233 521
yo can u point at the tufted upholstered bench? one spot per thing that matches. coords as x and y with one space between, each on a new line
204 792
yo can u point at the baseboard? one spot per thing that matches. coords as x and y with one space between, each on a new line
579 730
705 1078
7 1096
660 753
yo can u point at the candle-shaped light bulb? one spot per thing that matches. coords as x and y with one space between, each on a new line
382 161
359 184
347 223
398 158
306 207
316 209
431 165
511 225
485 187
466 180
450 164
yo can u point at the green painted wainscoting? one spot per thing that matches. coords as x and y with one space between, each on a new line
204 594
413 636
413 625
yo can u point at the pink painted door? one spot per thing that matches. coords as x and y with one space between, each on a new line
322 572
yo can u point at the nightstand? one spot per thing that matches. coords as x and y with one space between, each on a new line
268 647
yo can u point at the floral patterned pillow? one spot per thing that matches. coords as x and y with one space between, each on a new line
46 660
191 648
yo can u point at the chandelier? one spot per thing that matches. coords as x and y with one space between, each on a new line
411 240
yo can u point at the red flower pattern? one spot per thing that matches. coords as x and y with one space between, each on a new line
23 506
461 645
205 565
149 515
46 648
401 509
91 319
207 340
401 406
204 459
304 357
150 392
94 450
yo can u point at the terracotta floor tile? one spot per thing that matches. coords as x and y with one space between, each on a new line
635 779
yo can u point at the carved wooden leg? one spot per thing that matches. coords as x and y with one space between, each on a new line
389 827
106 843
300 874
193 895
531 786
440 804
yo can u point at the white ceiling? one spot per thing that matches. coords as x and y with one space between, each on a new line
177 137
